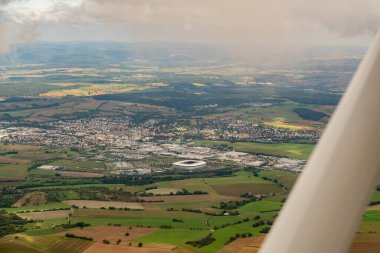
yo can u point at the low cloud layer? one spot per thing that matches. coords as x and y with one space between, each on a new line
14 30
251 22
240 20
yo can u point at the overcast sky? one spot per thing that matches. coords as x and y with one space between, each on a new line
257 23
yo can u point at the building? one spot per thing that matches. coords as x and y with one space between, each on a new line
49 167
189 165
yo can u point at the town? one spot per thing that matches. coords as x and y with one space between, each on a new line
128 148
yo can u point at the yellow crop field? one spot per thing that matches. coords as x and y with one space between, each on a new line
94 89
280 122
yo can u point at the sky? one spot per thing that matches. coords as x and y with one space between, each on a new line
255 24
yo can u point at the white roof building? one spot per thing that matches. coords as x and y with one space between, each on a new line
189 165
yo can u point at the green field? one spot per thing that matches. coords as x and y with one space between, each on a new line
293 150
192 225
372 216
261 206
240 177
241 182
13 171
173 236
145 219
107 102
223 235
221 220
38 172
376 196
41 237
90 166
279 116
37 207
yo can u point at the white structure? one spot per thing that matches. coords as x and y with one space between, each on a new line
189 165
49 167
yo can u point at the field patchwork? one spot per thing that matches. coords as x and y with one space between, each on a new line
112 233
105 204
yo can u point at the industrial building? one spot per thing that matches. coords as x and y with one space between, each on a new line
189 165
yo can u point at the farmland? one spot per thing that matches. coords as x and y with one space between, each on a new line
88 142
301 151
93 90
148 225
98 247
154 214
99 204
71 245
112 234
151 223
46 215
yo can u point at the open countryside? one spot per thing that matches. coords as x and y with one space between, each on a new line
174 144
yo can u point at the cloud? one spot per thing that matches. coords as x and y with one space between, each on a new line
344 17
251 21
13 34
258 24
12 30
194 21
4 2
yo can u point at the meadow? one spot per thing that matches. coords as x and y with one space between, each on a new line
163 82
168 220
292 150
162 220
159 214
276 115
